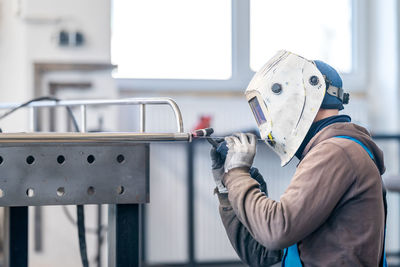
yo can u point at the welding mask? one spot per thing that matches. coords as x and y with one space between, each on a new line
285 96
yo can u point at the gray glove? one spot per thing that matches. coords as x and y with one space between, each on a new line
218 169
242 149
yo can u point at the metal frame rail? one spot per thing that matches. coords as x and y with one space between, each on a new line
387 137
124 211
191 211
82 104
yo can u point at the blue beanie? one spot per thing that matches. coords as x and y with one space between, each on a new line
331 78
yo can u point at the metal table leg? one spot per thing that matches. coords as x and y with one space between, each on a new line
124 239
190 205
16 237
127 235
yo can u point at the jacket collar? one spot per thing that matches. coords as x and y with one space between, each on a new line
318 126
351 130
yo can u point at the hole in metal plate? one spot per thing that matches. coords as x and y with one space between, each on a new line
30 160
120 190
30 192
91 190
90 159
60 191
60 159
120 158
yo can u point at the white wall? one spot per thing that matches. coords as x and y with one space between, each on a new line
383 95
13 67
92 17
382 44
28 31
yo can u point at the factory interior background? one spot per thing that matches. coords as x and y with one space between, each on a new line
202 54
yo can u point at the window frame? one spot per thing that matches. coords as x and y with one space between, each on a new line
355 81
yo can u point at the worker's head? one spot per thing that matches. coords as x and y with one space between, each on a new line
288 94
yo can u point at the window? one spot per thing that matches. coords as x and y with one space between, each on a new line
214 45
174 39
312 28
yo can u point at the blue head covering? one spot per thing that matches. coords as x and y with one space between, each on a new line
332 78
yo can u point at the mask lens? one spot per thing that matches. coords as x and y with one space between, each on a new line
257 111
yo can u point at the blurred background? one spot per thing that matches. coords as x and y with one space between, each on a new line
201 53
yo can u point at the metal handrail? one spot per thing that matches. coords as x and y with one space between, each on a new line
128 101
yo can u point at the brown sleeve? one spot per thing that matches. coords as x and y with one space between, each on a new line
320 180
249 250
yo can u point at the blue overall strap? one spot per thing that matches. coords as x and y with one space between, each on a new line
358 142
291 257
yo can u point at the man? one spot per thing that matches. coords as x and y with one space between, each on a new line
333 212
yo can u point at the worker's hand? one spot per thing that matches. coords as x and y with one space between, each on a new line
256 175
217 167
242 149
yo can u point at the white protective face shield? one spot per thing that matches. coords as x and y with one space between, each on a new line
285 96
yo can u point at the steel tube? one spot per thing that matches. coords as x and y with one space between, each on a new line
94 102
177 113
128 101
83 119
7 138
142 118
32 119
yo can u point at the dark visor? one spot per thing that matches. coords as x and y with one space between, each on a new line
257 111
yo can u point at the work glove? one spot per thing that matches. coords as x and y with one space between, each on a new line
217 167
241 151
256 175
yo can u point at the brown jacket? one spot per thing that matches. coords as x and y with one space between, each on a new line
333 208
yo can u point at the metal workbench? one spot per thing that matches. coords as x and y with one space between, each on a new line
39 169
